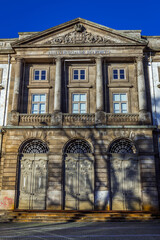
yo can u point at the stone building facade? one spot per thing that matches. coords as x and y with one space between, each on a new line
79 133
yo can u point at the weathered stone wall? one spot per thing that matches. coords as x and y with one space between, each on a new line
56 139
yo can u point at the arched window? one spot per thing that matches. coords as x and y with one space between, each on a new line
122 146
78 146
34 146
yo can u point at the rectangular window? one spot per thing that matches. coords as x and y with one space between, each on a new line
1 71
38 103
40 75
79 103
79 74
119 74
120 103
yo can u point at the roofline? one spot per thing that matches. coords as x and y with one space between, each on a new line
76 20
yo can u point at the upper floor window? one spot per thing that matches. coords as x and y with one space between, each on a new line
120 103
38 103
79 74
79 103
119 74
40 75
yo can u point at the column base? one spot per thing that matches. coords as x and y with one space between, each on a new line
144 117
100 117
13 118
56 118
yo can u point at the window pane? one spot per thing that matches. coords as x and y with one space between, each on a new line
36 97
124 107
116 97
75 74
82 74
75 107
42 108
82 107
82 97
115 74
42 97
116 108
75 97
43 75
36 75
123 97
34 108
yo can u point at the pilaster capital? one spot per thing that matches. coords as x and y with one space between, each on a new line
99 59
19 60
139 58
58 59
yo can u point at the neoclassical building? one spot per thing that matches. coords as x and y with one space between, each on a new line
79 131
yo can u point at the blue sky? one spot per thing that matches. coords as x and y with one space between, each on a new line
38 15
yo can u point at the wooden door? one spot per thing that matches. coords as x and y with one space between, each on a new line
79 181
125 183
32 186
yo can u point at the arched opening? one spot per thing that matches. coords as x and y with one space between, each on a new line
78 175
124 175
32 174
78 146
122 146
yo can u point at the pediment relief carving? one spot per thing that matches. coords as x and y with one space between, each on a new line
81 36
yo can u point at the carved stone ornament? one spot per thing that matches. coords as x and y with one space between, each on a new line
79 27
80 35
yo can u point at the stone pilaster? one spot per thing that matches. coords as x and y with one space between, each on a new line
16 85
144 116
99 86
100 115
57 94
141 86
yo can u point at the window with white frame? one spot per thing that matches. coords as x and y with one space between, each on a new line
119 74
79 103
38 103
40 75
1 71
79 74
120 103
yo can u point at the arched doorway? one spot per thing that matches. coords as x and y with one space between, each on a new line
124 176
79 176
33 175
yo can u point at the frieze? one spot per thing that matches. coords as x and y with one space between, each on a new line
78 52
82 37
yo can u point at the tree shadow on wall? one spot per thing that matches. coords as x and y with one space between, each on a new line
115 187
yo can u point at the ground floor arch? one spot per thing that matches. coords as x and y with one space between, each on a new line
124 174
78 176
33 168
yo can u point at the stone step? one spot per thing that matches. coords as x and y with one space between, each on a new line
78 216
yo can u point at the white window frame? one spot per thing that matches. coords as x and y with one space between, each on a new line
118 73
40 74
120 102
79 74
38 103
79 103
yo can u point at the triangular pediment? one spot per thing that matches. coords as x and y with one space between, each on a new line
77 32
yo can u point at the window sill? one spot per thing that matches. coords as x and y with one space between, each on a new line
120 85
79 85
39 86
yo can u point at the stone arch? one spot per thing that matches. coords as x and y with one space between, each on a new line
123 146
77 146
33 146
